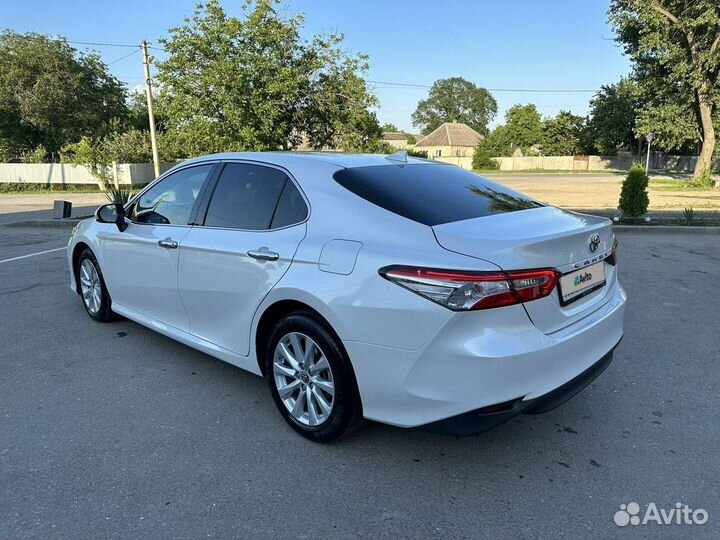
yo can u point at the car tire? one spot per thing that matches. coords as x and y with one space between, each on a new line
322 378
91 286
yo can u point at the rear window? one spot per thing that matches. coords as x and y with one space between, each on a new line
431 194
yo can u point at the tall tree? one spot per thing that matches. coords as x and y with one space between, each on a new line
562 134
51 94
389 127
612 119
675 48
455 100
253 83
523 126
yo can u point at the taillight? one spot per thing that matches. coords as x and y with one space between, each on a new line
612 259
461 290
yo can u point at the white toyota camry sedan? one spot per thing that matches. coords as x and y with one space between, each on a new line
400 290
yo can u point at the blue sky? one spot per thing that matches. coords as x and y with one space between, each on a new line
511 44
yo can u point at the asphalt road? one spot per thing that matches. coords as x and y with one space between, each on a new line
113 431
11 217
30 206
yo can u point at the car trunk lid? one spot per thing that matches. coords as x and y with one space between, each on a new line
544 237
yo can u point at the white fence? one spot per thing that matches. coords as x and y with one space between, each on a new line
658 160
58 174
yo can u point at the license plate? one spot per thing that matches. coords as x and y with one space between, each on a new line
577 284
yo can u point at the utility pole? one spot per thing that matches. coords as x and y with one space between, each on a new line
151 115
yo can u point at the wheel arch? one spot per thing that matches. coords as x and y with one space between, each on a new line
280 309
77 250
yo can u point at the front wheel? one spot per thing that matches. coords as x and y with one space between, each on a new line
93 291
311 379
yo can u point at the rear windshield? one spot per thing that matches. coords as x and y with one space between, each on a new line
431 194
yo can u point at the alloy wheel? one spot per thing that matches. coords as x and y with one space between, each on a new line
90 286
303 379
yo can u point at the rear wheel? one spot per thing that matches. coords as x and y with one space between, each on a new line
91 284
311 379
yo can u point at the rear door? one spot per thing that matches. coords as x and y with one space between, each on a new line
251 228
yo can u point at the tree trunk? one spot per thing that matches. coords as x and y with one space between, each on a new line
705 160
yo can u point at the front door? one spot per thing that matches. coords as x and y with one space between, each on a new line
140 264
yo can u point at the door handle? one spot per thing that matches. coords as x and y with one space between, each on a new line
263 255
168 243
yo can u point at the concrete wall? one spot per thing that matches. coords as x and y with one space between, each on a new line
142 173
464 162
66 174
594 163
603 163
676 163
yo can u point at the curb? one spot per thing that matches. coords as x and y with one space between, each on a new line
68 223
665 229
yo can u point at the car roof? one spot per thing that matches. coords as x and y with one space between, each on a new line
288 159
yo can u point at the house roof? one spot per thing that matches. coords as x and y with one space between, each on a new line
394 136
451 134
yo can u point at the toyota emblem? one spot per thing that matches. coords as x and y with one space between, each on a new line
594 243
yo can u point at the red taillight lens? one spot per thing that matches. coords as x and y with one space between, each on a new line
461 290
612 259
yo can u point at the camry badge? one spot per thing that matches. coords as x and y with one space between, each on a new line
594 243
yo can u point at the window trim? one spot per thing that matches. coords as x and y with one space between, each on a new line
210 191
198 200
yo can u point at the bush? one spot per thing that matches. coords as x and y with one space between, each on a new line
38 155
27 187
483 159
704 181
688 216
634 199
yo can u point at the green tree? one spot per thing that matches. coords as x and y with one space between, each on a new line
51 95
611 123
389 127
483 157
675 49
497 143
455 100
562 135
138 113
523 126
253 83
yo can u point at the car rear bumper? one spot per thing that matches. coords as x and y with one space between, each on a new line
480 420
481 359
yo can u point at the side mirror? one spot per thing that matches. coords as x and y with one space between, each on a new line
112 213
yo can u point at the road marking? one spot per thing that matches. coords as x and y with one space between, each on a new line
32 255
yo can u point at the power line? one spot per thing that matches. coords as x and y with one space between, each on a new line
539 90
123 57
388 84
98 43
94 43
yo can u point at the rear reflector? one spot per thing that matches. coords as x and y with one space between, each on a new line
612 258
466 290
498 407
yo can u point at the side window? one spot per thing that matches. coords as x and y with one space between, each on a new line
245 197
170 201
291 207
